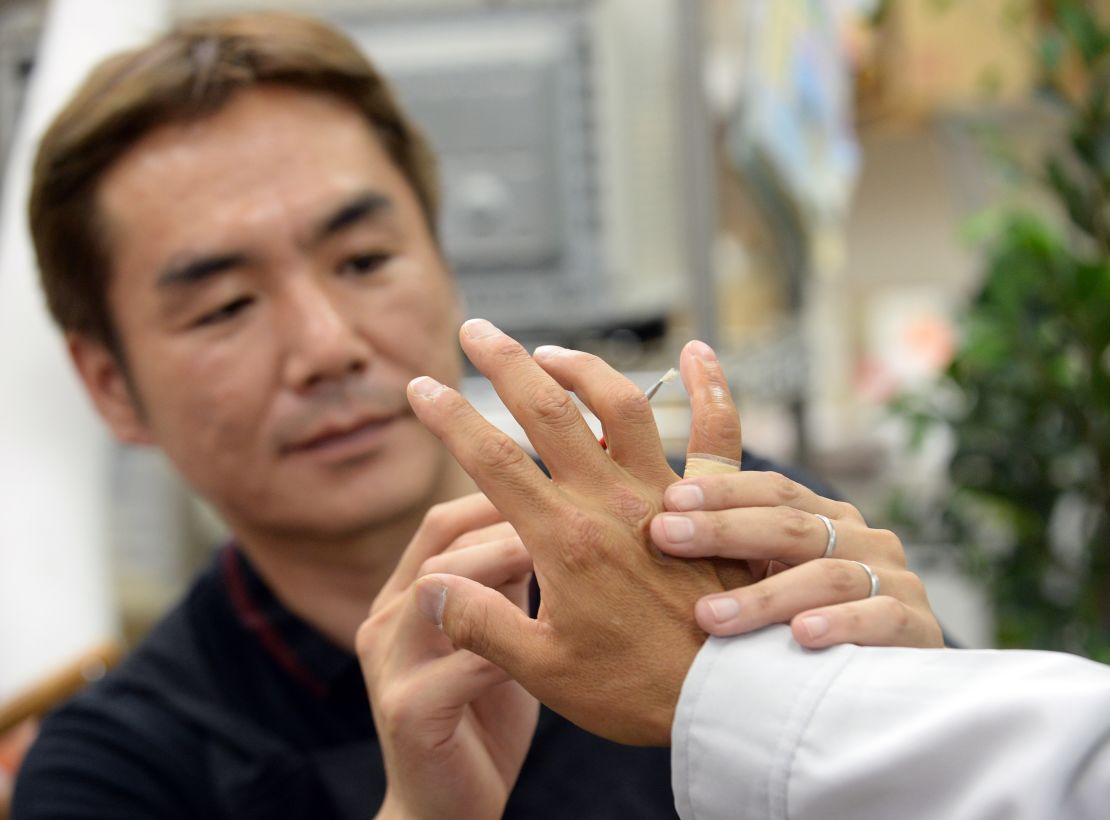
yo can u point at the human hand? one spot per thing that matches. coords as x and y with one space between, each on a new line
454 729
772 522
614 638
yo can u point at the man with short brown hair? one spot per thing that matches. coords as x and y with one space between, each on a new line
235 226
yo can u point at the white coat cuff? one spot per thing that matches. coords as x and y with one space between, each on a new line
744 705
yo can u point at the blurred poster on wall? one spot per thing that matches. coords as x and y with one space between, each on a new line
795 107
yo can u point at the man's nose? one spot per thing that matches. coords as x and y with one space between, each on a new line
323 341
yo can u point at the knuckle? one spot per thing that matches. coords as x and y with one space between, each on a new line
584 535
498 452
914 586
898 615
382 601
763 600
433 565
436 520
891 546
626 404
783 489
508 552
366 639
846 510
582 526
797 526
843 578
720 528
630 505
505 350
555 409
934 635
395 705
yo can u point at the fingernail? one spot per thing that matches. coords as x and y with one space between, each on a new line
723 608
678 528
816 625
684 497
703 351
479 329
431 598
426 387
548 351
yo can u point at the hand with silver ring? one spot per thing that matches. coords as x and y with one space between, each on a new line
822 568
872 578
830 545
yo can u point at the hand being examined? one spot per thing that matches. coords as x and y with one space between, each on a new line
614 635
616 631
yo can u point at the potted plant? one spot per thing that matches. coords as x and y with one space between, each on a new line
1026 397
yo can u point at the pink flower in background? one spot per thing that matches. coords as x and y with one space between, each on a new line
933 341
907 347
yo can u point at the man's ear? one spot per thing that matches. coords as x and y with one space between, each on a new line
109 388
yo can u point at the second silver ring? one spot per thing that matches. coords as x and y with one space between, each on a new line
830 545
872 576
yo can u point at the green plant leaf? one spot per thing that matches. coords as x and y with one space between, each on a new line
1026 397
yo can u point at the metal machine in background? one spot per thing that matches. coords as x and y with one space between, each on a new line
560 146
559 130
564 134
20 29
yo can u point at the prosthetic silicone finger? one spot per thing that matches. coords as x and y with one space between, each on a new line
543 409
783 595
623 409
715 438
880 621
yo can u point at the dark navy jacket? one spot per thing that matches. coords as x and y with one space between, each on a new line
234 707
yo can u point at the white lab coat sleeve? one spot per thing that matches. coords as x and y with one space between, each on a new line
766 729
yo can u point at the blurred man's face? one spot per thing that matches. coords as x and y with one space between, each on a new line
275 287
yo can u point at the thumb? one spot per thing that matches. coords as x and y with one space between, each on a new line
483 621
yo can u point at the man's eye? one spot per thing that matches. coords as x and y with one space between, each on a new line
363 263
224 312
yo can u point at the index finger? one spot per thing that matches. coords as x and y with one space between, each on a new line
542 407
504 472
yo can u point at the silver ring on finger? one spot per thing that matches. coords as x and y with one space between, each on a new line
872 577
830 545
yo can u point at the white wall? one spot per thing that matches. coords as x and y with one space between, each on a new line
55 596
